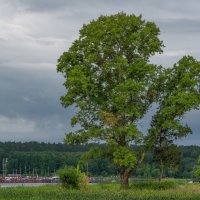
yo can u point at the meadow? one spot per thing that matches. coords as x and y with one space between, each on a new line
102 192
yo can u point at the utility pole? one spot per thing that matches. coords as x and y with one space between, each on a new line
36 173
41 172
4 165
25 171
20 170
33 172
29 170
48 171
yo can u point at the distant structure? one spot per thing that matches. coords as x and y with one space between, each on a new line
4 165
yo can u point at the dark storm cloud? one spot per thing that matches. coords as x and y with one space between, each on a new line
34 33
45 5
30 106
35 90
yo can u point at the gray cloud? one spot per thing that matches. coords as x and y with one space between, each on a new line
35 33
43 5
30 107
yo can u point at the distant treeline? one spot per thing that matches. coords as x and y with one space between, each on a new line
44 159
37 146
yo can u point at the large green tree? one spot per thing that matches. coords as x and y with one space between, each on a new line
179 89
110 81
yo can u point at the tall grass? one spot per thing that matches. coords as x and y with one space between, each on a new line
154 185
100 192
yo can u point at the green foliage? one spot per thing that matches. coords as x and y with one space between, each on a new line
197 170
72 178
108 77
197 173
170 154
179 93
124 157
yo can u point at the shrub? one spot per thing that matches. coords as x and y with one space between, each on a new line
73 178
154 185
197 173
84 182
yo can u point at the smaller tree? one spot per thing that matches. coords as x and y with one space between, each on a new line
179 89
168 155
197 170
197 174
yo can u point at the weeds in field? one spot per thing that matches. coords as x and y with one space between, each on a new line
102 192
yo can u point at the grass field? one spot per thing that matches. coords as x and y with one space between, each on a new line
101 192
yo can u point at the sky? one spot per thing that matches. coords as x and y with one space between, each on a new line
34 33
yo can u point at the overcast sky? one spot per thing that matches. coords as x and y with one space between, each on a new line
34 33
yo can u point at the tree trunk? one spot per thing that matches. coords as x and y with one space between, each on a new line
161 170
161 161
124 176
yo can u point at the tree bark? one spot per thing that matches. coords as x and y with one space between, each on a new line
124 176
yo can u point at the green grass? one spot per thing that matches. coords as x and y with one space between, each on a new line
154 185
101 192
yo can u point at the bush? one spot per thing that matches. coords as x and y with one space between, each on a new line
73 178
154 185
197 173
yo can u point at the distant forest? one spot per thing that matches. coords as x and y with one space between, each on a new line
44 159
